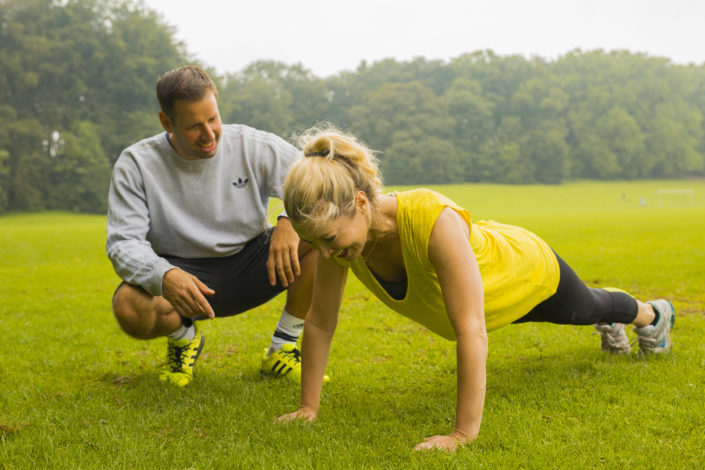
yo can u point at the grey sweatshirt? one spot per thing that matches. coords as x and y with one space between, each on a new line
161 204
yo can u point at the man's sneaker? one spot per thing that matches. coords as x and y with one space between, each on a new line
285 362
181 357
657 338
614 339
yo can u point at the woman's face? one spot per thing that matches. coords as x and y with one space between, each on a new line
344 237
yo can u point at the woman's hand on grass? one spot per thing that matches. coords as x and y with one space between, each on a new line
449 443
302 414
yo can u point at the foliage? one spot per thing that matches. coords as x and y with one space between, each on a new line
79 172
477 117
501 119
76 392
66 64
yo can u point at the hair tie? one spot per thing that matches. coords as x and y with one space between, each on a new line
336 156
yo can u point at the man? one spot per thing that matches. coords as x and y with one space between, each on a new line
188 234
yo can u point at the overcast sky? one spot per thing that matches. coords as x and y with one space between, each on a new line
329 36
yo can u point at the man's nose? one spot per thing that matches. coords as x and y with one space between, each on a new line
208 131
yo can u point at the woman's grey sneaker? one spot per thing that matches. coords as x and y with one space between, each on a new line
657 338
614 339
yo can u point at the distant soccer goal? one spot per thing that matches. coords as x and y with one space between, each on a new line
683 197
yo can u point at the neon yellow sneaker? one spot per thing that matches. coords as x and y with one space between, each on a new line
181 357
284 363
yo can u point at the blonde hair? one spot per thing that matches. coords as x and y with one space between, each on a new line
322 186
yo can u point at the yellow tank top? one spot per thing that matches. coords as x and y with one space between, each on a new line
519 270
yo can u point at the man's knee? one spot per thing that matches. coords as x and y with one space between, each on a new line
130 319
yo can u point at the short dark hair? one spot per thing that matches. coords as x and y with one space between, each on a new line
187 83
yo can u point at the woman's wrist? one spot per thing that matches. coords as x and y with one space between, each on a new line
463 436
308 408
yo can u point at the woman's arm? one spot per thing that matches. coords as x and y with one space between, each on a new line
459 276
321 320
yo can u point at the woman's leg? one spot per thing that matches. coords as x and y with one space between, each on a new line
574 303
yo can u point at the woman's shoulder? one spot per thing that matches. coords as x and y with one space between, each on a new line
420 196
423 199
418 209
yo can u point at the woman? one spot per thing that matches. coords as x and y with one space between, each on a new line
422 256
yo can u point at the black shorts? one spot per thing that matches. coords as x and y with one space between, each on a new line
574 303
240 281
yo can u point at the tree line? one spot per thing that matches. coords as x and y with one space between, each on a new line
77 82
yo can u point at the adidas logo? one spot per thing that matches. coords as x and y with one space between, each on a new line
241 183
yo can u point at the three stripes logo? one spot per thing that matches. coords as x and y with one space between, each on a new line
286 361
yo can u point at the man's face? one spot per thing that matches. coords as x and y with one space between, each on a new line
195 129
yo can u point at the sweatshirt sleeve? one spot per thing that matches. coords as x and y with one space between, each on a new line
127 246
280 156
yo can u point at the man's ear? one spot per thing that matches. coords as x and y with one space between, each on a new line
165 121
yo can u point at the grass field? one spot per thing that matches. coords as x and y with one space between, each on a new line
75 392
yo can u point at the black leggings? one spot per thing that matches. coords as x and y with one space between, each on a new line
574 303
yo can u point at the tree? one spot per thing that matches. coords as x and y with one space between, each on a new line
418 159
475 129
275 97
675 134
406 120
406 107
4 180
80 172
79 74
622 135
71 61
28 164
548 151
261 104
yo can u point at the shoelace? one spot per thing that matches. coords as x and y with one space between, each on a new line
647 341
610 338
177 356
295 354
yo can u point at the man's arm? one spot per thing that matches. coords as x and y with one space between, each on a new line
276 159
132 255
283 260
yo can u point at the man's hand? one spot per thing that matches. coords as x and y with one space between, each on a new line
185 293
283 260
449 443
302 414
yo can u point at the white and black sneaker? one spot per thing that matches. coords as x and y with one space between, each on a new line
614 339
656 338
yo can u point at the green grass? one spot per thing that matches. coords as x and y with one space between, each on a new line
75 392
